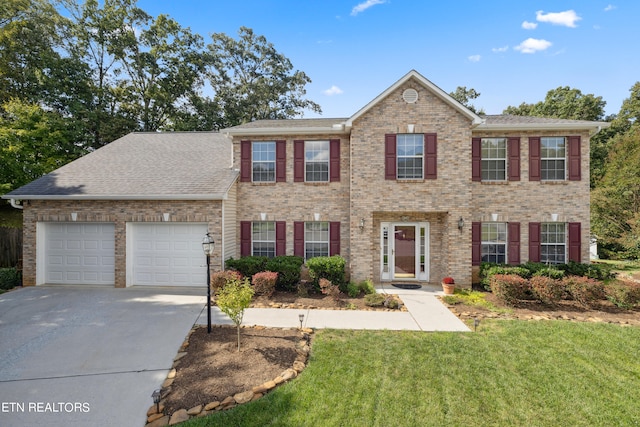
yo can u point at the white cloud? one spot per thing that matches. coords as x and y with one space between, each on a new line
529 25
474 58
500 49
533 45
568 18
610 7
365 5
333 90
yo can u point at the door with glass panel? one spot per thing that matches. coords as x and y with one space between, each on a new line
404 251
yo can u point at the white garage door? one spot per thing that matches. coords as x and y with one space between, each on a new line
79 253
166 254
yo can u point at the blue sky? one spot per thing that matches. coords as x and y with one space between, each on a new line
510 51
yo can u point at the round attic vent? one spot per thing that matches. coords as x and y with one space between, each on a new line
410 96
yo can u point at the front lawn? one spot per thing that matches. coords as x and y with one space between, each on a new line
509 373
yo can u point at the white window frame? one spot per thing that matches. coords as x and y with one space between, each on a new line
313 236
404 138
490 155
491 236
265 231
315 156
552 143
270 175
551 237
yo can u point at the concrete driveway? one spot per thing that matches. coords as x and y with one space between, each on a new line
89 356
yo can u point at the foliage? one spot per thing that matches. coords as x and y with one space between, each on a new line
248 265
391 302
253 81
615 203
264 283
471 297
353 290
233 299
623 294
551 272
288 269
221 278
509 288
328 288
464 97
587 292
593 271
366 286
9 278
489 269
547 289
374 300
330 268
563 103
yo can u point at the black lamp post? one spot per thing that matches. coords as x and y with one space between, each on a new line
207 247
156 395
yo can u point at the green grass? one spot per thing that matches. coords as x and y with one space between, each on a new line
509 373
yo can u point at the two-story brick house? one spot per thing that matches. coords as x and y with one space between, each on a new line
412 187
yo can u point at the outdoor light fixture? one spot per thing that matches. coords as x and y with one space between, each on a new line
476 322
156 399
460 224
207 247
301 318
361 224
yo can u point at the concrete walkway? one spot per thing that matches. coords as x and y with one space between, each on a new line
425 313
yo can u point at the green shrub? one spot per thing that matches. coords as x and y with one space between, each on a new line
353 290
374 300
264 283
391 302
221 278
593 271
366 286
9 278
510 288
587 292
288 269
248 265
330 268
550 272
622 294
547 289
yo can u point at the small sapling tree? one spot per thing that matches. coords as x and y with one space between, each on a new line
233 299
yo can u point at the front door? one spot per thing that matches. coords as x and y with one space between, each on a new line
404 251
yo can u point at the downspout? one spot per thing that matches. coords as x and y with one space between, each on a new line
15 205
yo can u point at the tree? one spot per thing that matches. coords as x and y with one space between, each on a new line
162 65
563 103
252 81
464 97
33 142
615 203
234 297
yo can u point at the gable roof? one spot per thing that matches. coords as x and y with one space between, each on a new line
413 74
143 166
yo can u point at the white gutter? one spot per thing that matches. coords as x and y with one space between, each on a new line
542 126
337 128
15 205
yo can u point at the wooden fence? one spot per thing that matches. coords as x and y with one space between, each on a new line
10 246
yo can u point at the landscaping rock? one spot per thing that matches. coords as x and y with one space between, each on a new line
298 366
288 374
171 374
160 422
212 405
179 417
153 417
243 397
195 410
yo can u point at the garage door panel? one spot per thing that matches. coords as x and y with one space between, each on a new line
79 253
167 254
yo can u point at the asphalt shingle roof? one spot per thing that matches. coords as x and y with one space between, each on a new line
178 165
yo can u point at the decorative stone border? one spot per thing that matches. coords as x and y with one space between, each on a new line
157 418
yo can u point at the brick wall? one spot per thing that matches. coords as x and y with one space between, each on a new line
119 213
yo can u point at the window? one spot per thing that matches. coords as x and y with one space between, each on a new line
263 239
410 156
316 239
494 159
494 242
316 161
264 161
552 158
553 243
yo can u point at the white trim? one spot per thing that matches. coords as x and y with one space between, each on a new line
595 127
390 275
337 128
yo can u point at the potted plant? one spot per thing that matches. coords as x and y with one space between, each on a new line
448 285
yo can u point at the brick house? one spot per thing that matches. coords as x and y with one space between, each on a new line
412 187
